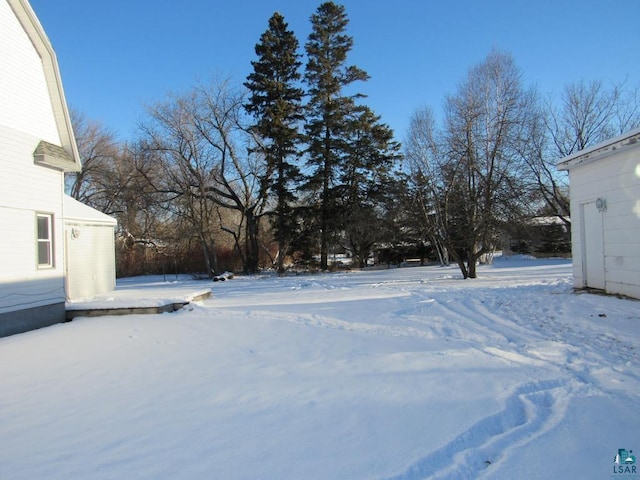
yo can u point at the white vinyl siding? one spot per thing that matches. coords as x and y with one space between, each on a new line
615 179
23 184
90 260
25 104
90 250
27 189
33 112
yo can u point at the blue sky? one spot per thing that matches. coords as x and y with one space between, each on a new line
115 56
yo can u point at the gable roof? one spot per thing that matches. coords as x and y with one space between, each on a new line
588 155
31 25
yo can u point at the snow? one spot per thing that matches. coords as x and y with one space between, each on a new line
145 292
403 373
75 210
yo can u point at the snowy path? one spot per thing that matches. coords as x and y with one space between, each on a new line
396 374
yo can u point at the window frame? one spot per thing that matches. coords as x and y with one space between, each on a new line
47 242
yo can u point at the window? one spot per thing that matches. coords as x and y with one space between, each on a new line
45 240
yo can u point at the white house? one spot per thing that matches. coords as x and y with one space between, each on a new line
605 215
37 146
89 250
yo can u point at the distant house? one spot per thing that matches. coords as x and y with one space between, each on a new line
605 215
544 236
37 147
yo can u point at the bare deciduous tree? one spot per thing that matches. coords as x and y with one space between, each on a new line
205 153
588 113
97 147
585 114
425 159
472 171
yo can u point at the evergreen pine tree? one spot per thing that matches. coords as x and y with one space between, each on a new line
328 110
276 104
370 181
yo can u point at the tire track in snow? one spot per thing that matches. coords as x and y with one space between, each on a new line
578 349
316 320
497 327
479 319
529 411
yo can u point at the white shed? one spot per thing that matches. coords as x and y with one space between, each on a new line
605 215
89 244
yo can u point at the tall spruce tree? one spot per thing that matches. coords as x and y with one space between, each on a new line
328 110
275 102
370 182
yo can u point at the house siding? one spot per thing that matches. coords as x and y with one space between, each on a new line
25 104
23 184
30 297
615 178
25 190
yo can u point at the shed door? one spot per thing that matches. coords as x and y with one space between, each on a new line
592 246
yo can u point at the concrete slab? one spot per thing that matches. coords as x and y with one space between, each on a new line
141 295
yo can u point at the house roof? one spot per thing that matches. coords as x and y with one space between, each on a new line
601 150
31 25
72 210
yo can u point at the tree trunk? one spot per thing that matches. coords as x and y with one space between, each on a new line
210 258
282 237
252 244
463 267
443 253
324 255
282 249
471 267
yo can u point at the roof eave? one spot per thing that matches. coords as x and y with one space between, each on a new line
603 149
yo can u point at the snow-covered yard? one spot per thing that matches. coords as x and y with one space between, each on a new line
393 374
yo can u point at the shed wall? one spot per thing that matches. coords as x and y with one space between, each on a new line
90 257
616 180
